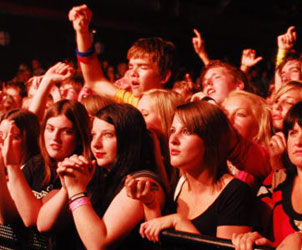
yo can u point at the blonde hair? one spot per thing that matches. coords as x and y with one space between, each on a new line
292 85
93 103
165 103
261 112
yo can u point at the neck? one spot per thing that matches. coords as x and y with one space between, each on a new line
299 174
199 181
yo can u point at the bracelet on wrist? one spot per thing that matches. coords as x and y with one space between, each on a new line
85 53
78 196
82 201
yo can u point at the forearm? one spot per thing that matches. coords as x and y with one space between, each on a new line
26 203
92 70
39 100
8 211
183 224
54 213
90 227
204 58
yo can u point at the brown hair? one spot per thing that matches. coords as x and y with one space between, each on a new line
77 114
160 52
29 126
211 124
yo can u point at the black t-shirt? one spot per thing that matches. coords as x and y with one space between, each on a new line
234 206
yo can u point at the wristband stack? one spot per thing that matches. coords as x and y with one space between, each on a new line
78 200
84 57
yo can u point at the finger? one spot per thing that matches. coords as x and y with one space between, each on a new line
142 230
146 188
140 188
197 33
258 59
290 29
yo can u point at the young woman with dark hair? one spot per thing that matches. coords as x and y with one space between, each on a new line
105 212
207 200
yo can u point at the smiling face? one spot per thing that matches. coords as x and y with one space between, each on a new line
144 75
239 112
281 106
104 142
186 148
59 137
218 82
294 145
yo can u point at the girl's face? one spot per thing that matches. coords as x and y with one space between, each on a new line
294 145
60 137
17 140
281 106
151 116
104 142
186 148
240 114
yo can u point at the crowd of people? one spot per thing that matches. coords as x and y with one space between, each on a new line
93 159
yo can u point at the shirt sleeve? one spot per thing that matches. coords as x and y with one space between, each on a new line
123 96
237 205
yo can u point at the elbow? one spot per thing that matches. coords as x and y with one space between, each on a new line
29 222
43 227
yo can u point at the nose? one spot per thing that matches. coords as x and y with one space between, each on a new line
277 106
174 140
97 142
299 139
133 72
57 136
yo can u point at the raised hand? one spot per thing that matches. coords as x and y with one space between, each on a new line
80 16
199 47
277 146
59 72
249 59
287 41
9 154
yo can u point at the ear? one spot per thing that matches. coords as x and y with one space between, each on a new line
166 77
240 85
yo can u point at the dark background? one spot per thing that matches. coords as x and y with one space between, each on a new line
40 29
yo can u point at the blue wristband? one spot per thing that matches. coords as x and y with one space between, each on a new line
86 53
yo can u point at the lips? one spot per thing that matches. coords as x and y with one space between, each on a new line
55 146
99 154
210 91
276 117
134 85
174 152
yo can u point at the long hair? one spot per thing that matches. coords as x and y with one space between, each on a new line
211 124
135 148
29 126
77 114
261 112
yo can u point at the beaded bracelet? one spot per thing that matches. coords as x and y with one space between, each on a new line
77 196
79 202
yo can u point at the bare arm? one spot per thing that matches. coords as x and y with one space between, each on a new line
54 214
81 16
148 192
8 211
25 201
199 47
57 73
